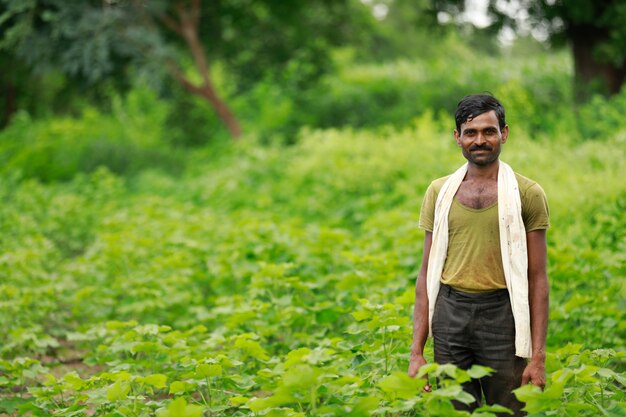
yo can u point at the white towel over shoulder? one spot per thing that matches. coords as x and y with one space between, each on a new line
512 247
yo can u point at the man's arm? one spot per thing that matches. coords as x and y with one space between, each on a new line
420 312
538 297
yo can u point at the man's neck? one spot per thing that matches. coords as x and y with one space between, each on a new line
483 173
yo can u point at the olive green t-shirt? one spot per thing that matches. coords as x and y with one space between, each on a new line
473 262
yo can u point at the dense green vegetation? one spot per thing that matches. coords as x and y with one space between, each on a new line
594 30
143 274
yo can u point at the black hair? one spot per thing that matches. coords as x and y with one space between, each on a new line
475 105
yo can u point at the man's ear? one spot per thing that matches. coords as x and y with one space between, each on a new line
457 137
505 133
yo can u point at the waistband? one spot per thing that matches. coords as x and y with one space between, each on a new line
475 297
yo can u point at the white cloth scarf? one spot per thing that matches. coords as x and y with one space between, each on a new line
512 247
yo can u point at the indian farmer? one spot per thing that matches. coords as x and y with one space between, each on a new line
482 289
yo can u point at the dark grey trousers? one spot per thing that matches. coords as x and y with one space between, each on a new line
478 328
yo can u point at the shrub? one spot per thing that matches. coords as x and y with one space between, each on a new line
126 141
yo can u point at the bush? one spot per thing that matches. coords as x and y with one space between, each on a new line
278 280
126 141
369 95
603 117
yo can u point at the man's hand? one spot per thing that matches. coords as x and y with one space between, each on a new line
535 373
415 363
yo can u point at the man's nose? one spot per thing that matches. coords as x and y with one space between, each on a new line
480 138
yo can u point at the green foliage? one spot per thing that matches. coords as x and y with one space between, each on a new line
537 95
94 43
582 384
593 29
603 117
61 34
257 39
279 281
537 92
129 139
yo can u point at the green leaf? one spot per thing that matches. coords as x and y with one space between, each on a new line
118 391
606 373
426 369
145 347
238 400
495 408
442 407
400 385
180 408
554 391
252 348
617 410
179 387
10 404
300 378
156 380
364 407
115 325
537 400
73 381
259 404
451 391
296 356
454 372
569 349
465 397
362 315
527 392
207 370
477 371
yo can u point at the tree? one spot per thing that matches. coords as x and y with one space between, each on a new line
594 29
405 28
96 41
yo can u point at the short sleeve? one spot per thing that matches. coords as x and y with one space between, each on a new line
535 210
427 212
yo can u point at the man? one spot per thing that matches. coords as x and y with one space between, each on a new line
482 290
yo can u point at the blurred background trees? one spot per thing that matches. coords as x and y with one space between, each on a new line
106 44
595 31
270 67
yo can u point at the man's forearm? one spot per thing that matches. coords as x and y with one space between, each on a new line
420 310
420 317
538 293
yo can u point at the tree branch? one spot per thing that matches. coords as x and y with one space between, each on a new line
180 77
195 12
189 31
187 27
170 23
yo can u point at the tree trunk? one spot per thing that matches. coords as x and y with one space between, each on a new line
207 92
187 27
224 113
591 74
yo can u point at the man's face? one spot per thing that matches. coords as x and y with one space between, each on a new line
480 139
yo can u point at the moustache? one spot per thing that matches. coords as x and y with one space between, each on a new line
481 148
